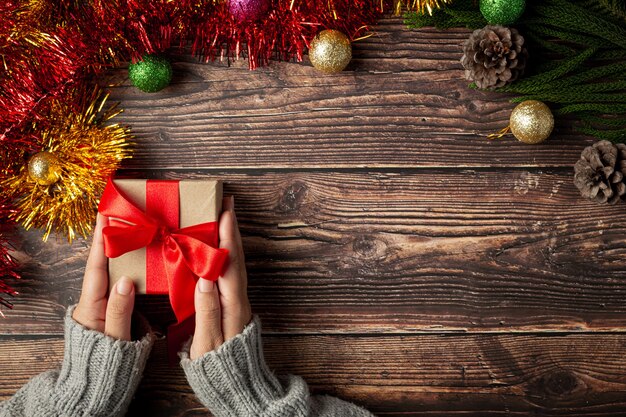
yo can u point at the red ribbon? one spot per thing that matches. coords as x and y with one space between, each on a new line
175 257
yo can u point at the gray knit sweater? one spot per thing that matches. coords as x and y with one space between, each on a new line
99 376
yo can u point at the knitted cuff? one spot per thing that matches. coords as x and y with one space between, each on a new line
99 374
234 379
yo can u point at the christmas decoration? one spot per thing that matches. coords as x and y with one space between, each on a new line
423 6
153 73
8 265
167 242
578 50
249 10
494 56
599 174
531 122
44 168
330 51
58 187
502 12
54 151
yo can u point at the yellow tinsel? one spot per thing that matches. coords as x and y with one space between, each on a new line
420 6
88 152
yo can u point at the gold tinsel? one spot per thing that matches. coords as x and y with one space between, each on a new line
88 152
420 6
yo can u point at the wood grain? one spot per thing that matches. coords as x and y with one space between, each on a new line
403 103
436 250
411 375
397 258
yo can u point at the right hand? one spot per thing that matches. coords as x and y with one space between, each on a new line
222 310
110 314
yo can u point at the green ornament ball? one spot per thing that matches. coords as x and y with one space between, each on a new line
151 74
502 12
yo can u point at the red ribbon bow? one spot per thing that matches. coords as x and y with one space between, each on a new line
178 255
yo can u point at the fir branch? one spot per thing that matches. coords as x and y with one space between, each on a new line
597 108
542 79
573 97
588 89
616 7
554 47
573 17
464 13
611 55
541 27
615 136
577 57
578 80
614 122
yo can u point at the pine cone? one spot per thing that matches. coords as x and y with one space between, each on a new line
494 56
599 174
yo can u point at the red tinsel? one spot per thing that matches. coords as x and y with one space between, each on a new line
8 265
51 46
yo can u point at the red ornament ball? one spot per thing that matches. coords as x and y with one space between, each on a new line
248 10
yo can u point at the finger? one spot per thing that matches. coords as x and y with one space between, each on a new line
208 333
236 312
96 281
120 309
234 280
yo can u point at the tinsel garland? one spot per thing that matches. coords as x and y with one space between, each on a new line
577 58
8 265
88 150
54 50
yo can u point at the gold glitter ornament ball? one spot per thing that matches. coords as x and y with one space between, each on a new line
531 122
44 168
330 51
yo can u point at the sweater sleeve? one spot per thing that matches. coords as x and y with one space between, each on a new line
98 377
234 381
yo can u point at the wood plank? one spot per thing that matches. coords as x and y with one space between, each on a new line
403 103
418 375
434 250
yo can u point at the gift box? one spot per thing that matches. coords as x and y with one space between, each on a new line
164 236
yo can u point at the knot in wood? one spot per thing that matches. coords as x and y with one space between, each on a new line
560 383
369 247
293 197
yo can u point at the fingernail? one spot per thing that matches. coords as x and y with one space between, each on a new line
232 203
204 285
124 286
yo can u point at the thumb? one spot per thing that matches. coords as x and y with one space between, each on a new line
208 334
120 310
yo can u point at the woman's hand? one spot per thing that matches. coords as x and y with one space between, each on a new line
222 310
110 315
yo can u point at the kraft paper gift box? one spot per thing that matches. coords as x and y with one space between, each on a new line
175 204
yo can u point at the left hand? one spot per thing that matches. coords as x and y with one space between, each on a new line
110 314
222 308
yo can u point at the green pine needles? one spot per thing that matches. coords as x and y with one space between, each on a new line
577 57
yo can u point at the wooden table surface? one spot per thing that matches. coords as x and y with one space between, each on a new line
397 258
